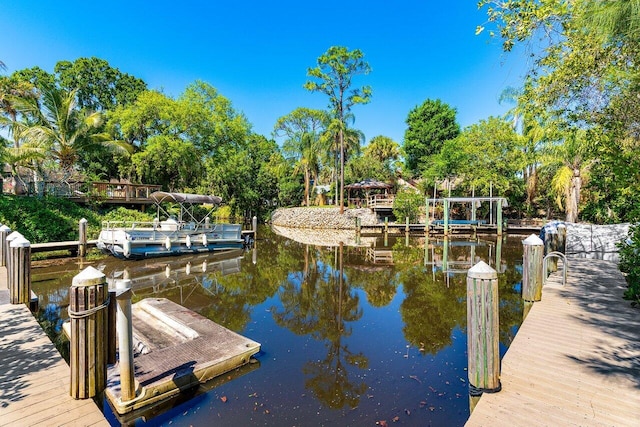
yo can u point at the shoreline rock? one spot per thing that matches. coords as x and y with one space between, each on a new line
322 218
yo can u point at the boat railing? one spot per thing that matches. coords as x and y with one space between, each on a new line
226 231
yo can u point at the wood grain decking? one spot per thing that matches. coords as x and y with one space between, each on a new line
34 379
575 360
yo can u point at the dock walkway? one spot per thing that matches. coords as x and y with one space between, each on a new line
34 379
575 360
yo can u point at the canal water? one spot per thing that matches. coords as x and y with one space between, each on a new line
366 335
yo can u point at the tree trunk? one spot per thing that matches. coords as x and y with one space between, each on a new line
306 187
573 196
341 171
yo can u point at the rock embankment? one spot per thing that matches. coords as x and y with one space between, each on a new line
322 218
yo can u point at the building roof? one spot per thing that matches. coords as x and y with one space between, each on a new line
368 184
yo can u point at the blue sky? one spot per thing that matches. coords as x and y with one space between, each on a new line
256 53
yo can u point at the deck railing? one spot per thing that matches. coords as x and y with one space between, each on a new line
379 201
115 191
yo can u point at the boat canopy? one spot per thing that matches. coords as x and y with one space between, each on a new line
162 196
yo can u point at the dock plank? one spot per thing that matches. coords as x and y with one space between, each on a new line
575 360
34 379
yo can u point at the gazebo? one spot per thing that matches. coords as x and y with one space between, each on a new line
364 190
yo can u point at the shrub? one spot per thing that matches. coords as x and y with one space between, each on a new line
630 264
407 204
46 219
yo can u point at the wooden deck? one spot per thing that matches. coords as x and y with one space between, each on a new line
575 360
34 379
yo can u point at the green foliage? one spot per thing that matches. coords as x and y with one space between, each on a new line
99 86
47 219
630 264
407 204
128 215
429 126
168 161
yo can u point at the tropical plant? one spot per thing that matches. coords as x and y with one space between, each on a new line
57 126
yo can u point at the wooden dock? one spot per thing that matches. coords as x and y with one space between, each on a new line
34 379
575 360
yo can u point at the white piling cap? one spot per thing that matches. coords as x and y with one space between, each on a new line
88 277
13 235
20 242
83 221
482 271
533 240
4 228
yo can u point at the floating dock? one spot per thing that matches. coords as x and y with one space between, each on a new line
177 350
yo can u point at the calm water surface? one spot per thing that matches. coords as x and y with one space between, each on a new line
350 336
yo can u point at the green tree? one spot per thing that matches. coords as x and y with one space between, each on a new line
485 154
407 203
584 77
56 125
98 86
303 130
429 126
334 74
168 161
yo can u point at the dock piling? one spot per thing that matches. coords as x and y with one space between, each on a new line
82 238
88 302
125 340
532 274
20 275
482 331
254 224
4 232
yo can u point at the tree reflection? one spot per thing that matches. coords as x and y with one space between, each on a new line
319 302
432 310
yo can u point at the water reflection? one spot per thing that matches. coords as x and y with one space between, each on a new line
366 333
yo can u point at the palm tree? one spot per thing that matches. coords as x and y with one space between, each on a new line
55 124
568 179
303 129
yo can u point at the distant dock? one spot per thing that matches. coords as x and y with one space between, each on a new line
575 360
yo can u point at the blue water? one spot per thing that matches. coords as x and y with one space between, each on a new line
357 346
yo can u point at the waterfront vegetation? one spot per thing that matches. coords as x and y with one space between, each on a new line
568 147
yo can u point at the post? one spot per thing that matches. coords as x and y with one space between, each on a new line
88 301
111 333
254 224
125 340
550 242
446 216
482 331
562 239
20 276
406 225
428 220
4 232
7 250
386 224
82 238
532 274
499 216
445 255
